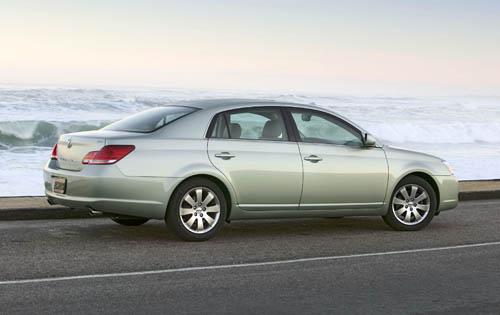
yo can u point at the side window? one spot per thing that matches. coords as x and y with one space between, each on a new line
257 124
318 127
220 129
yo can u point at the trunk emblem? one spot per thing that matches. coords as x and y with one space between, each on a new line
69 145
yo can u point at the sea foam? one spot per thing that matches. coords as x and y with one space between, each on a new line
463 130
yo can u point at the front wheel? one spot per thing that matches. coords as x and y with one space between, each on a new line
413 205
197 210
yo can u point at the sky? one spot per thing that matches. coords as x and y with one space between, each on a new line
357 47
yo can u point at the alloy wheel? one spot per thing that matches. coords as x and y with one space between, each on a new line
199 210
411 204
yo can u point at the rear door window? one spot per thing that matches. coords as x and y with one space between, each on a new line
257 124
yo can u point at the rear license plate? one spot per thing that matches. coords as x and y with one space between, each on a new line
59 186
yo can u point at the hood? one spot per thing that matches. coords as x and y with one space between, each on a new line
411 153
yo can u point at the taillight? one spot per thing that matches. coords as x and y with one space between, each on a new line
109 154
53 156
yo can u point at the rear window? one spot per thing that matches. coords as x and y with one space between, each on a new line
151 119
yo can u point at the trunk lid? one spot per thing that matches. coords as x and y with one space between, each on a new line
72 147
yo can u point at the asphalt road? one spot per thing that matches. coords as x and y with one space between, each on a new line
322 267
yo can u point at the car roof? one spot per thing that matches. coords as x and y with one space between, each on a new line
218 105
224 102
230 103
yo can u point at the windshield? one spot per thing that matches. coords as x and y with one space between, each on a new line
151 119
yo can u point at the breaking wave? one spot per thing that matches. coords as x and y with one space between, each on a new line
435 132
463 130
36 117
40 133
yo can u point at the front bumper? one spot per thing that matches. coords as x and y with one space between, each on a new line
104 188
448 191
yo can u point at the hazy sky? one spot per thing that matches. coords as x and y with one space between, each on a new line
421 47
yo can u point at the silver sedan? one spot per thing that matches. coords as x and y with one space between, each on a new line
199 164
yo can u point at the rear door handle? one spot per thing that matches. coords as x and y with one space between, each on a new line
225 155
313 158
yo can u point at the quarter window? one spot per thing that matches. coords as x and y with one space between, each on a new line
319 127
220 129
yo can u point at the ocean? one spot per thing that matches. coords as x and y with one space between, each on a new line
463 130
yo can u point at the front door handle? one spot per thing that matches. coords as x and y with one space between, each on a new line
225 155
313 158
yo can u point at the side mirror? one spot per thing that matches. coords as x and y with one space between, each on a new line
369 140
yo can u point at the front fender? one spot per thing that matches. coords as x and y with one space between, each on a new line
404 162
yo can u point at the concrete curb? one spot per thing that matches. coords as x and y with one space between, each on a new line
479 189
37 208
43 214
478 195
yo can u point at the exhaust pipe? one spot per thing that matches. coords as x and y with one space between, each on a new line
94 213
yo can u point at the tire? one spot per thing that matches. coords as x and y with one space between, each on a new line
413 210
197 210
129 221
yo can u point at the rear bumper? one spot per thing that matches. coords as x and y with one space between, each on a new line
104 188
448 192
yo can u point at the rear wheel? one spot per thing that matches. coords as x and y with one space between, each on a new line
197 210
413 205
129 221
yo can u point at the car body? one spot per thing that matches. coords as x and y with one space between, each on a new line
266 169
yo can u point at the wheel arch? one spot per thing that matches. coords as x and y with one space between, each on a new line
222 185
428 178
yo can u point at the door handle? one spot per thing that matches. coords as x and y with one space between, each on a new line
313 158
225 155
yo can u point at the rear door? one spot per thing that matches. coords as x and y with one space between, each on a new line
252 148
339 171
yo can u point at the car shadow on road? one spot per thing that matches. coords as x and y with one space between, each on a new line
156 230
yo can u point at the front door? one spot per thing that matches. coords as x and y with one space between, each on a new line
339 172
251 148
